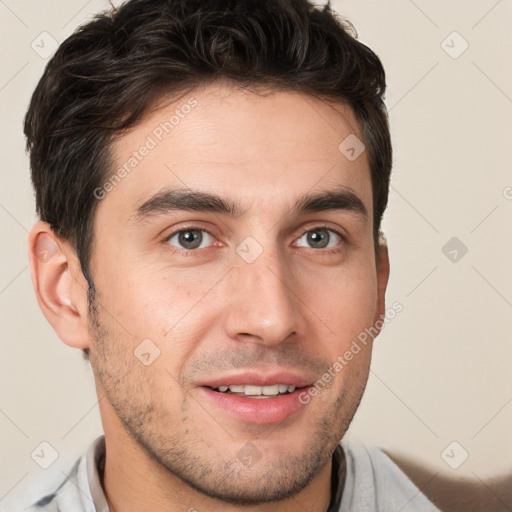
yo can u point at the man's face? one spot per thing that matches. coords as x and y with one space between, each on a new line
264 288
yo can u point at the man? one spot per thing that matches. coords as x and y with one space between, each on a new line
211 178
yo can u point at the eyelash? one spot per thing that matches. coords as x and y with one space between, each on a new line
191 252
324 252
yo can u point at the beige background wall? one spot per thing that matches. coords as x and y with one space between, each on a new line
441 370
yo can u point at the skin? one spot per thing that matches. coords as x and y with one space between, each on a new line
210 312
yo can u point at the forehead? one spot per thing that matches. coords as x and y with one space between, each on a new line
232 142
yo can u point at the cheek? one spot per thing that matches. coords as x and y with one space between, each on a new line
174 312
168 301
347 303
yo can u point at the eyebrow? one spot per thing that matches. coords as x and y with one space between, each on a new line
188 200
343 199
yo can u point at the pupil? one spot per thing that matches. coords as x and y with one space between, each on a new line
190 239
318 238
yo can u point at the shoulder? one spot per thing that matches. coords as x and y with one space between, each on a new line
65 497
374 482
73 492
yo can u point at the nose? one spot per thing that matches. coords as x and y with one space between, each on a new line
263 306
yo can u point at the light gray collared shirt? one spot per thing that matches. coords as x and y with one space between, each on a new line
373 483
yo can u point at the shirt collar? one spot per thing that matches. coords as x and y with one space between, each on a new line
96 467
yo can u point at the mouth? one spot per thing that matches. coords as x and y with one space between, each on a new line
257 392
257 398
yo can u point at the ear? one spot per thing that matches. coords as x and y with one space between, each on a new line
60 286
382 263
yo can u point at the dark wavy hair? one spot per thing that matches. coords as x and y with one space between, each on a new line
111 70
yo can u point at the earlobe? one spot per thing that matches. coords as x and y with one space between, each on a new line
382 280
60 287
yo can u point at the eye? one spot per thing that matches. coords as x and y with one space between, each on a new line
319 238
190 239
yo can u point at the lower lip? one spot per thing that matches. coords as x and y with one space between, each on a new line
256 410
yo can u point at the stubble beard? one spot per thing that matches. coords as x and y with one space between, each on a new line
185 454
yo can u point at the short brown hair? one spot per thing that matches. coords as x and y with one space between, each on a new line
106 75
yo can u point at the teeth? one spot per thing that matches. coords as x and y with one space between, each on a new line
248 390
270 390
255 390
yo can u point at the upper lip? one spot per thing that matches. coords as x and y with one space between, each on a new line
259 378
